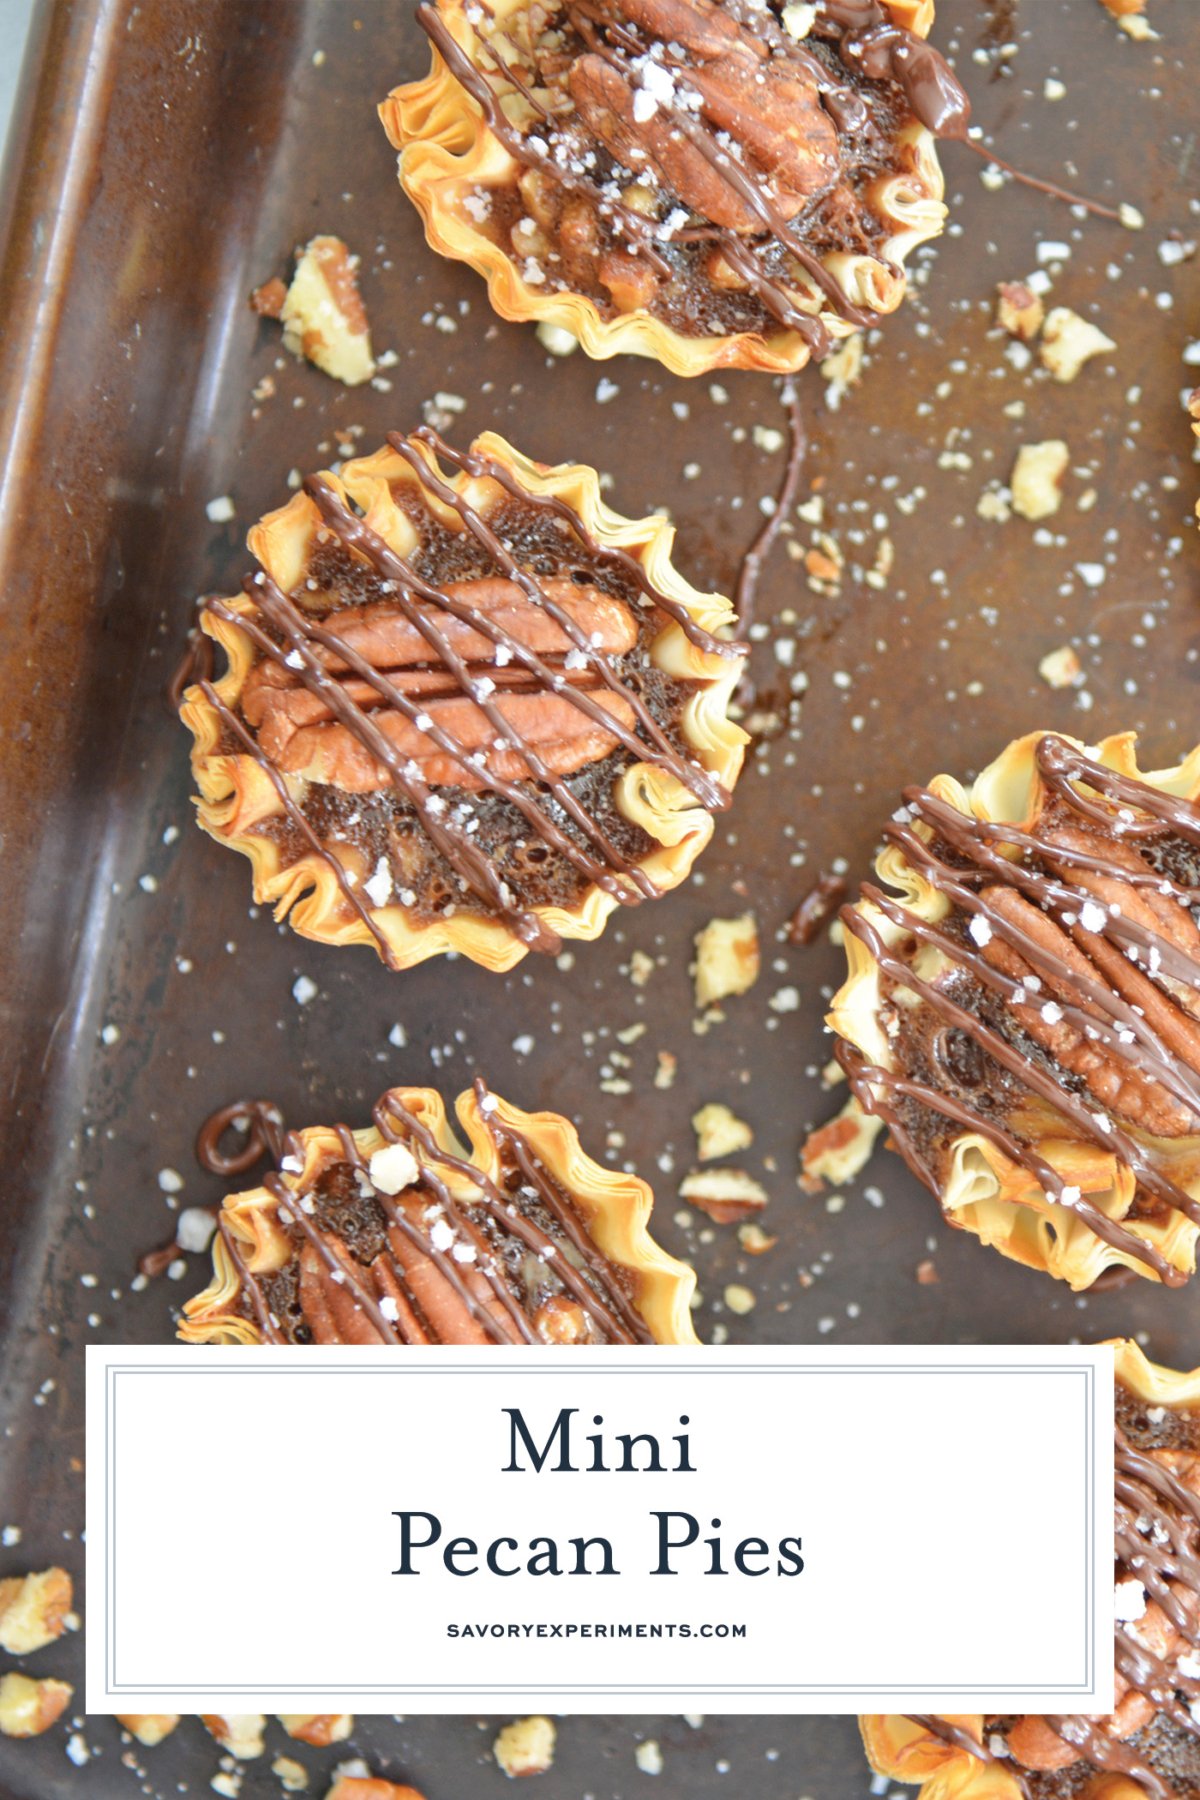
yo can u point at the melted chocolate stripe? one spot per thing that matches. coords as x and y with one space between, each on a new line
866 1080
660 749
862 32
1096 1129
475 463
296 816
473 867
1139 1045
423 1241
504 1318
961 857
1157 1542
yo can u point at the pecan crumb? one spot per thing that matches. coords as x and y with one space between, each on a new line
323 315
727 959
1019 310
1061 668
29 1707
838 1150
719 1132
526 1747
1037 478
267 300
726 1195
149 1728
33 1610
927 1274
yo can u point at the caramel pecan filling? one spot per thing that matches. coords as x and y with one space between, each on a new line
298 731
696 160
397 1248
448 727
1058 998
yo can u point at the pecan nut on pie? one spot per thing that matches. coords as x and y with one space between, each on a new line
717 185
467 707
1023 1005
1151 1744
399 1235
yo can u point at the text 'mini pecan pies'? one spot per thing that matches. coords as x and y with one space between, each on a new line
399 1235
467 707
1023 1005
714 183
1150 1746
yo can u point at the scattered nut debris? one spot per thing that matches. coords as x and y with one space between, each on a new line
322 314
740 1300
1069 341
149 1728
1019 310
664 1074
719 1132
317 1729
1037 478
291 1775
239 1733
725 1195
1061 668
370 1787
838 1151
526 1747
727 958
29 1707
33 1610
754 1240
649 1757
641 968
842 369
556 339
927 1275
267 300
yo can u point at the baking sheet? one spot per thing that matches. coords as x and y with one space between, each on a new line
170 159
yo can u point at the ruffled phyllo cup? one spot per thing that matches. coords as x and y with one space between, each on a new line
400 1235
1023 1005
731 185
1151 1744
467 707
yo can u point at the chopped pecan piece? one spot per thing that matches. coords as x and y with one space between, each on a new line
29 1707
33 1610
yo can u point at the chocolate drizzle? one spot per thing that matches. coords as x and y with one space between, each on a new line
745 599
859 32
1070 990
474 1245
1157 1544
311 653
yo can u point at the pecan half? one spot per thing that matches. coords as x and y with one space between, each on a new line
1114 1082
298 730
768 105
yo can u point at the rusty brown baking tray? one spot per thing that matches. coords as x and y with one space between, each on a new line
165 160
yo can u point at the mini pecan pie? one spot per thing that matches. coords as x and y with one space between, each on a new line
471 710
729 185
1023 1005
398 1235
1151 1744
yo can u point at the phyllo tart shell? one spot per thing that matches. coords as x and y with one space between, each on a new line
713 186
1150 1746
1022 1008
399 1234
467 707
